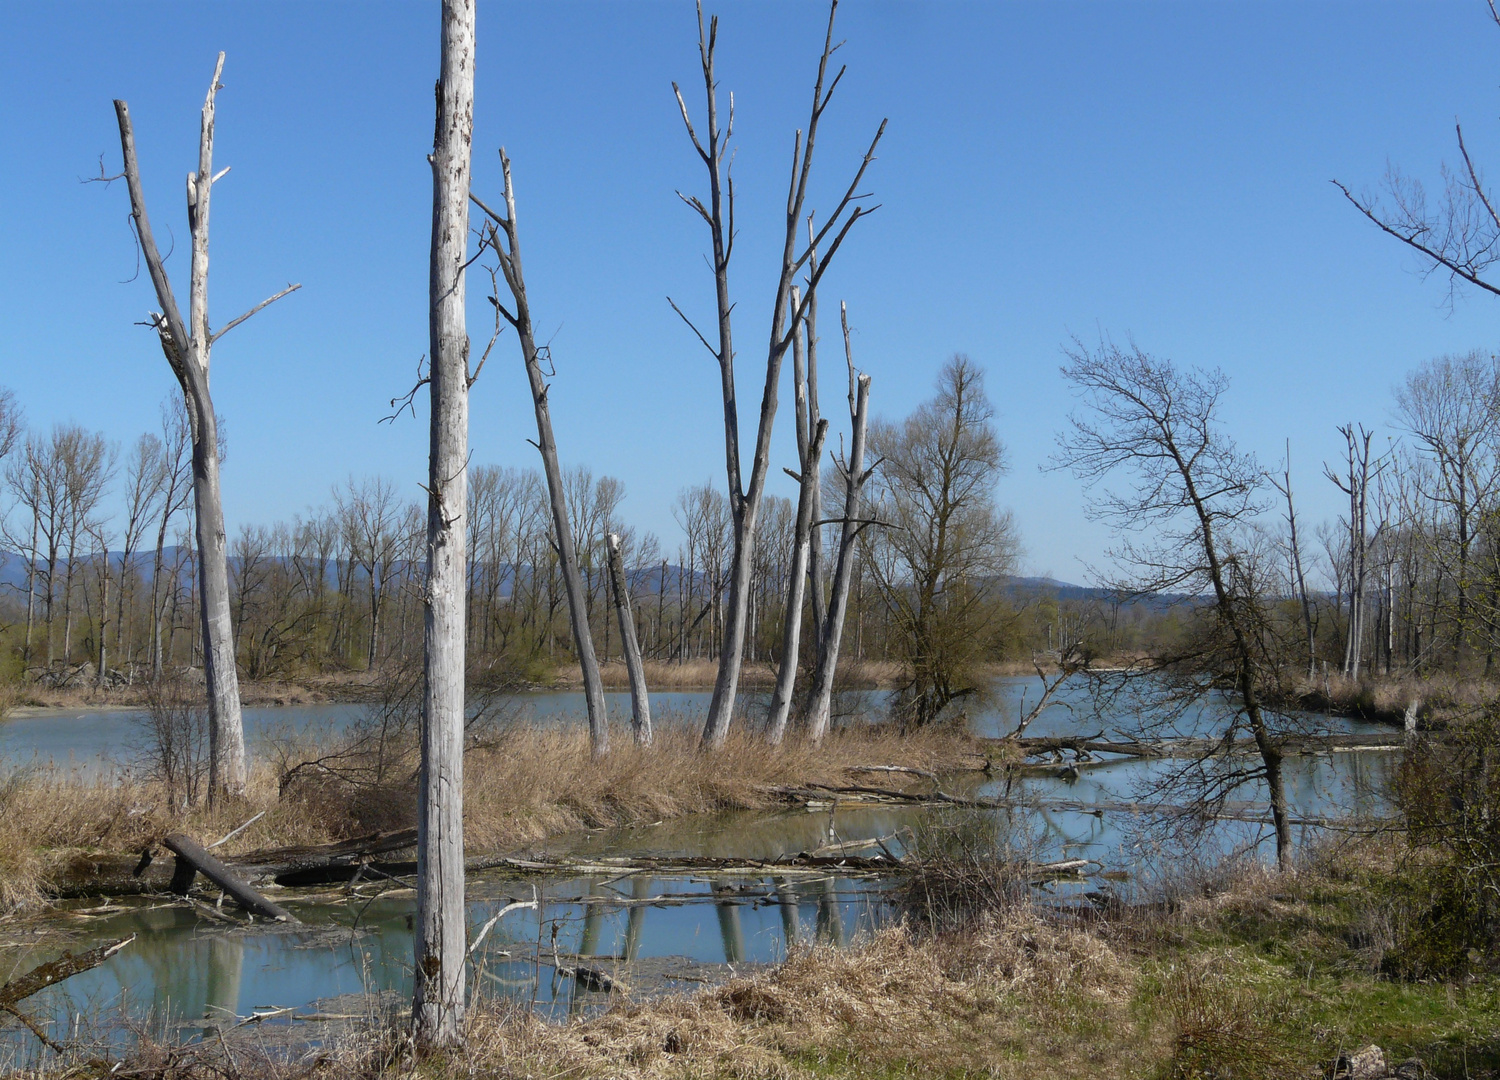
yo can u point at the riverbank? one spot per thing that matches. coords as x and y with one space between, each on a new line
22 699
1435 701
1245 973
523 784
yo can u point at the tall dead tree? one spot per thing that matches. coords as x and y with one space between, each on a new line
1299 579
508 254
820 698
1356 485
441 938
630 649
187 344
718 214
811 434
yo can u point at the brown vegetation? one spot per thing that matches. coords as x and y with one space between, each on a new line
522 784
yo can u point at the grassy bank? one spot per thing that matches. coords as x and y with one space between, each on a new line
522 784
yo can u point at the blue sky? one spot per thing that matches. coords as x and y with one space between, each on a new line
1155 170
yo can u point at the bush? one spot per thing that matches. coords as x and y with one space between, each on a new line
1448 896
174 747
962 864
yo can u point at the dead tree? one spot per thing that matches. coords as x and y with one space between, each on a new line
810 438
718 214
1299 579
441 932
1356 485
820 698
508 254
640 701
187 345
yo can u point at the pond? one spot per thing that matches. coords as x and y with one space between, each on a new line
670 931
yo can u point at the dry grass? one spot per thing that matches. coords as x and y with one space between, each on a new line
1441 697
699 674
1017 996
523 785
23 698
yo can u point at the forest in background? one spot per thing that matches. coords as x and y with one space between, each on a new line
99 567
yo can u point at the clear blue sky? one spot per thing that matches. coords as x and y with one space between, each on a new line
1156 170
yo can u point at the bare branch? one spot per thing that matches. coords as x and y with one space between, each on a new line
712 351
263 304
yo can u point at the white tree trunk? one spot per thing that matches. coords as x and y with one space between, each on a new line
546 444
187 346
640 702
820 702
441 938
791 632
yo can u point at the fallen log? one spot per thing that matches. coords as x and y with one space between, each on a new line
194 859
856 793
1196 747
55 971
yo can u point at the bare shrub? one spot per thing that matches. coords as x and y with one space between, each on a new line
174 748
962 864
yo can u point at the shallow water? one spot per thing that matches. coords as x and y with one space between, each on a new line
193 975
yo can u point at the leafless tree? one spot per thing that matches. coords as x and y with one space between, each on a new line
1294 551
1460 236
640 702
1159 425
811 435
441 931
508 254
176 470
855 476
1451 408
1354 482
85 461
187 344
718 214
369 515
145 486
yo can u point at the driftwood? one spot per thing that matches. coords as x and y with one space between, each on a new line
55 971
194 859
49 974
853 794
1168 748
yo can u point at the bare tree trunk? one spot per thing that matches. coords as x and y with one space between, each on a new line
1300 578
441 938
745 500
187 346
797 581
820 701
640 702
816 566
509 256
30 592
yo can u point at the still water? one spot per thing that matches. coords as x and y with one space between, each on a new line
195 976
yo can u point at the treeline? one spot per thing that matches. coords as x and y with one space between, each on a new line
100 571
1411 571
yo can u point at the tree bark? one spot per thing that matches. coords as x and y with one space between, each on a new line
820 700
509 256
441 938
640 702
797 582
187 346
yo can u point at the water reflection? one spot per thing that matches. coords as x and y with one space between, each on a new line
198 978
